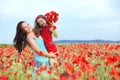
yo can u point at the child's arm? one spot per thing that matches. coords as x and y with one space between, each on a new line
53 30
54 33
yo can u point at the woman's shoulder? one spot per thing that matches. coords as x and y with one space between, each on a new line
40 39
30 37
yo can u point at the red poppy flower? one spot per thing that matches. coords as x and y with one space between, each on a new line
40 53
114 73
111 60
3 77
52 16
62 77
69 67
92 78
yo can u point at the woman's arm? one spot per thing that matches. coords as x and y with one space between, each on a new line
35 47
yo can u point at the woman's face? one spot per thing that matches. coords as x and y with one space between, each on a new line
26 27
41 22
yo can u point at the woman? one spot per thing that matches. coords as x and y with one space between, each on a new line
25 35
47 30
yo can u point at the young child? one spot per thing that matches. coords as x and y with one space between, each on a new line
47 30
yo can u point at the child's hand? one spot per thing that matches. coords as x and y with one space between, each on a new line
52 55
53 24
53 28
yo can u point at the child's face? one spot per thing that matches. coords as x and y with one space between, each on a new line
26 27
41 22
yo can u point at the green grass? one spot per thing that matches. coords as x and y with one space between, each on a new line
3 45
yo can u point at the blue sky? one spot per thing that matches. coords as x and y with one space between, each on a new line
78 19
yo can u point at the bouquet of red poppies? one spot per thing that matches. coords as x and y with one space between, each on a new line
52 16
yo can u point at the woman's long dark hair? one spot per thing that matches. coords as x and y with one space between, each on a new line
38 28
20 38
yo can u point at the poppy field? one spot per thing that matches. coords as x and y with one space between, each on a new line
92 61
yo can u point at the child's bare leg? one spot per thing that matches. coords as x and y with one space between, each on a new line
53 62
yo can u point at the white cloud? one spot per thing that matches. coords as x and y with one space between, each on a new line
27 8
112 24
96 8
82 8
83 16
